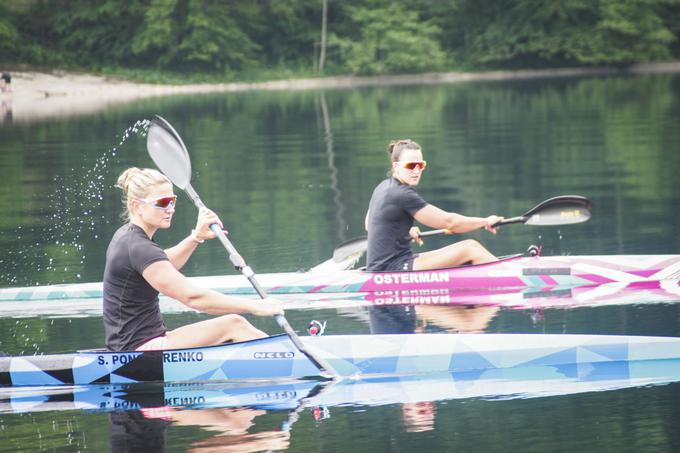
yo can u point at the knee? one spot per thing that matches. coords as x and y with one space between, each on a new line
472 244
237 328
233 321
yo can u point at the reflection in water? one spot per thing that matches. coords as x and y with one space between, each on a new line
398 319
133 431
231 415
463 319
404 319
418 417
145 430
337 193
5 109
612 139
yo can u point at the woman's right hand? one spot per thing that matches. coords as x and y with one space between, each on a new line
206 217
267 307
490 222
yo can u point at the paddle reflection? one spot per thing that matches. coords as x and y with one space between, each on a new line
146 430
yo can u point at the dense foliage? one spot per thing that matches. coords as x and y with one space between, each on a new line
238 38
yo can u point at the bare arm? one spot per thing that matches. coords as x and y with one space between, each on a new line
180 253
165 278
437 218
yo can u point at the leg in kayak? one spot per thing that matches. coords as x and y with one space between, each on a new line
463 252
224 329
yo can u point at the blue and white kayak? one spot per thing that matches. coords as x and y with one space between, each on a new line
351 355
286 395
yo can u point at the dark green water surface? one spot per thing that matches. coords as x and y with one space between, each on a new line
291 173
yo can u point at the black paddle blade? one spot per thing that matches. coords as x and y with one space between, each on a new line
168 152
356 246
562 210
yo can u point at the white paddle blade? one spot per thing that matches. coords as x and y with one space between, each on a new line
168 152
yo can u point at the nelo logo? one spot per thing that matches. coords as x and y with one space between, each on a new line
273 355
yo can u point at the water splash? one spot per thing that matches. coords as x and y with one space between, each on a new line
75 215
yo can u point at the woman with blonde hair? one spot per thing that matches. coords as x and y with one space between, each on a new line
137 269
394 206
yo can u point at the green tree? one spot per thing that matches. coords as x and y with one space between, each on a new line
9 35
573 31
389 39
193 34
98 32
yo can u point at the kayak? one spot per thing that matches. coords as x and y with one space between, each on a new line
350 355
661 292
635 271
292 395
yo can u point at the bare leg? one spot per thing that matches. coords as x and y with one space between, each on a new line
467 251
213 331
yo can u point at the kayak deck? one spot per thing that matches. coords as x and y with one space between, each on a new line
351 355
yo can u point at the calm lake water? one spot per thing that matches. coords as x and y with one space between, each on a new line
290 175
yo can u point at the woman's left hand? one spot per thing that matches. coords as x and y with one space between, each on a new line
206 217
414 232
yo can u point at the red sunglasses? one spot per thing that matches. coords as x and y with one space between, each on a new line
413 165
161 203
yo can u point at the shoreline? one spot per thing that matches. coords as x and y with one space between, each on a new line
39 95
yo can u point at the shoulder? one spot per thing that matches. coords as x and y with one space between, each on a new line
140 245
401 189
384 184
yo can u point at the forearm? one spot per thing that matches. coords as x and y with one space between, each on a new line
214 303
180 253
457 223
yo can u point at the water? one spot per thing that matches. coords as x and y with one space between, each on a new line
291 175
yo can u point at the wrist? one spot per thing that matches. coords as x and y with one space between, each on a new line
194 237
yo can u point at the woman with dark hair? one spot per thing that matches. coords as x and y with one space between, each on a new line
394 206
137 269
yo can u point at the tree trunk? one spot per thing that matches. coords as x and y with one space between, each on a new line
324 20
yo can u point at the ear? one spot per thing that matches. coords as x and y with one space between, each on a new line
135 207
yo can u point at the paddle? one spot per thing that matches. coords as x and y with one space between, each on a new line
561 210
167 150
344 256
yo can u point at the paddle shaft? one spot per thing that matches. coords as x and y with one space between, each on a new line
573 202
519 219
240 264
